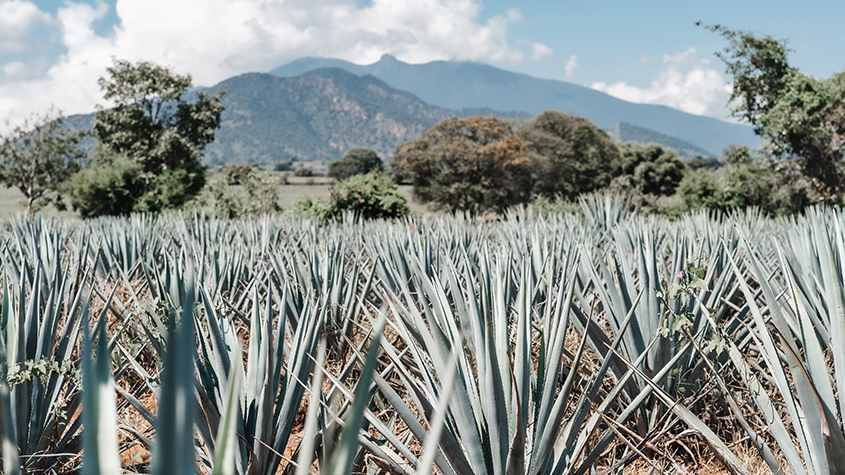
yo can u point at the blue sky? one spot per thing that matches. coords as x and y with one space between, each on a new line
53 51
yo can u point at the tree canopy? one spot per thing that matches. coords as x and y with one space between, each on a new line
152 131
800 116
38 156
651 169
356 161
572 155
470 164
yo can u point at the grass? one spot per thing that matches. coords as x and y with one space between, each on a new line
12 200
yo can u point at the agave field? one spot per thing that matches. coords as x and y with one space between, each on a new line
600 342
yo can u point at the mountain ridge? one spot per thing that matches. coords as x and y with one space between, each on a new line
318 115
626 133
456 85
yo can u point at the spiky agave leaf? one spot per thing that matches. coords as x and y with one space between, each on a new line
100 421
174 448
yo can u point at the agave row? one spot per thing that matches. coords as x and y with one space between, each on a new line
531 345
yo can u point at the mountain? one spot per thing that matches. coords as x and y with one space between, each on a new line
318 115
457 85
623 132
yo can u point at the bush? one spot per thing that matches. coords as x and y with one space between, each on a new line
303 171
106 190
702 189
370 196
245 191
283 167
356 161
310 208
776 188
236 174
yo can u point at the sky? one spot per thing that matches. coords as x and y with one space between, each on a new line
53 51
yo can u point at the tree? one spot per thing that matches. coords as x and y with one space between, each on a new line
37 157
472 164
800 116
650 169
237 174
747 179
356 161
573 156
153 126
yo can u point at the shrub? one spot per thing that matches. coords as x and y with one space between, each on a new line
650 169
370 196
303 171
356 161
245 191
107 190
702 189
310 208
283 167
236 174
777 188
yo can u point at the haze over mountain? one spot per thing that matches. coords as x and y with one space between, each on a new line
623 132
456 85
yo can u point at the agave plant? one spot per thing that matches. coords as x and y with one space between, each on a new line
41 317
514 406
797 330
273 385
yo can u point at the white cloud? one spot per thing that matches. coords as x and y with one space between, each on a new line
571 65
17 20
14 68
687 83
643 59
216 39
540 51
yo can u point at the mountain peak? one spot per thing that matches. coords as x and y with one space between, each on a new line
388 58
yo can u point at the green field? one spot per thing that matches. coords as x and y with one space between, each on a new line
12 200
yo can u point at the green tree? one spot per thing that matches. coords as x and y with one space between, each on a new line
237 174
38 156
356 161
747 179
473 164
152 125
800 116
369 196
573 156
650 169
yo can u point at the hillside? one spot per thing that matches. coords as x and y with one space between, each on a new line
322 113
456 85
631 133
318 115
